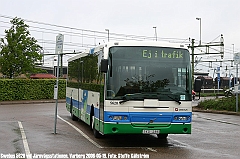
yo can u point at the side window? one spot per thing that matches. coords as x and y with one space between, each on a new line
182 77
73 74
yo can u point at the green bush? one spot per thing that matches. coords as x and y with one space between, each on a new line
228 104
30 89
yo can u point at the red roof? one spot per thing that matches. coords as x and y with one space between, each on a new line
42 75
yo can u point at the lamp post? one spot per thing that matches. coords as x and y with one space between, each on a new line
233 50
155 32
200 29
108 33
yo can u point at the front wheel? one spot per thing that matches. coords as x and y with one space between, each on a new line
162 136
95 132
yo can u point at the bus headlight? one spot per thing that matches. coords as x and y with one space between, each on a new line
117 117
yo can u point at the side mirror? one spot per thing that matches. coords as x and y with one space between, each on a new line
104 65
197 85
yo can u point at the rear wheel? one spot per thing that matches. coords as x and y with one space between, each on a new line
74 118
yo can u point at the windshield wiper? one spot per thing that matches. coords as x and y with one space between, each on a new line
175 99
127 97
123 101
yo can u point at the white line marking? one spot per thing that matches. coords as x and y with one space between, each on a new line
151 149
8 121
220 121
82 133
25 143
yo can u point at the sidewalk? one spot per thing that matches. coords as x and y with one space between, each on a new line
31 101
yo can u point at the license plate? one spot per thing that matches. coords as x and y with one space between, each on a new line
151 131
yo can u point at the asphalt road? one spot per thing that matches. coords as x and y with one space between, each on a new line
27 131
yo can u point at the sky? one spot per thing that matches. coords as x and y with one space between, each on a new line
84 22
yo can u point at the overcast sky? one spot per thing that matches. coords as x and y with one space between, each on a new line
172 18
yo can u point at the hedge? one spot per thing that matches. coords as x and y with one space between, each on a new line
30 89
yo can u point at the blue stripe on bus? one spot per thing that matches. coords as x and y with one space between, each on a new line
96 112
79 105
147 116
75 103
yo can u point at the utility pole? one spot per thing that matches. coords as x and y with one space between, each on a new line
108 33
192 47
207 46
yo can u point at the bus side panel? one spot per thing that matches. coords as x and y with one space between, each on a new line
90 100
72 103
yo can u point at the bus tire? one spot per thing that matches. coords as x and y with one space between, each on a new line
95 132
162 136
91 118
74 118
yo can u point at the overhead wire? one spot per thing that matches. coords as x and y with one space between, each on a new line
84 34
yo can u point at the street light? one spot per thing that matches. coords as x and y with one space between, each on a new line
155 32
108 33
200 29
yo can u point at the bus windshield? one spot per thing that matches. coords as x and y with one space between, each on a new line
137 73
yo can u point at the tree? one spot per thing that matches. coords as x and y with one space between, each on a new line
19 52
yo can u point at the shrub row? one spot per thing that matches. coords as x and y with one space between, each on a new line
228 104
30 89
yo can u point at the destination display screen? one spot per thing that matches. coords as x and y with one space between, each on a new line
150 53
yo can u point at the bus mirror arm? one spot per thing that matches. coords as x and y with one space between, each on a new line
104 65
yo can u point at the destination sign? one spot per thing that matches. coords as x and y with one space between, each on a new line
150 53
162 54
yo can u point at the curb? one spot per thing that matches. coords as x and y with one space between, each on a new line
216 112
32 101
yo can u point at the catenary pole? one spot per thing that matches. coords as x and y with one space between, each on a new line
192 47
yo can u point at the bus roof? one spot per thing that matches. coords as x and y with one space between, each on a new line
146 43
127 43
85 53
82 54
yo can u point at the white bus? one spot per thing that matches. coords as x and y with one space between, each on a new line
132 87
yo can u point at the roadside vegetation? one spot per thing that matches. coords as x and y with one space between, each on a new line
223 104
211 94
30 89
19 52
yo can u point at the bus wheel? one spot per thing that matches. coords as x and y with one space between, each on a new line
162 136
95 132
74 118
